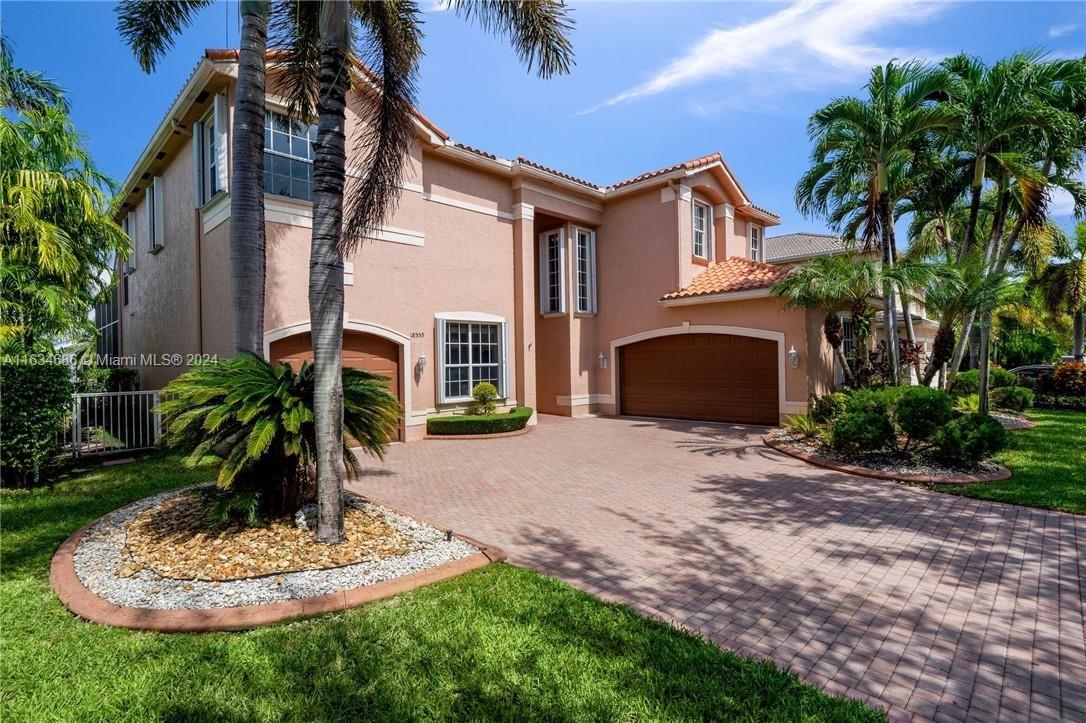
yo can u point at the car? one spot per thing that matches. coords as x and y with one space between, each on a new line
1031 372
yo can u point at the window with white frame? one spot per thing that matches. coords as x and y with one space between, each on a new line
756 243
209 152
703 229
470 352
288 156
586 270
129 227
552 271
156 225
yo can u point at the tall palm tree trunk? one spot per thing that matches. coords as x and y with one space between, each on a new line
1079 326
906 313
961 346
977 189
247 244
326 267
984 348
889 312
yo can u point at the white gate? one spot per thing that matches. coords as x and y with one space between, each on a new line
105 422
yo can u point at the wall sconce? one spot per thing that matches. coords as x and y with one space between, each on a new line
420 367
603 361
793 357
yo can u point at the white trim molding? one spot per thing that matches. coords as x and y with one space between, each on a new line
578 400
688 328
467 206
716 298
216 212
523 211
407 372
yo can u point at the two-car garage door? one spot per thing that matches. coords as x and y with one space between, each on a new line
709 377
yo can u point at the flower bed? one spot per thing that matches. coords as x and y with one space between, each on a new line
514 420
917 466
165 572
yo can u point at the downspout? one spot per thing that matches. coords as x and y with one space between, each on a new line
198 226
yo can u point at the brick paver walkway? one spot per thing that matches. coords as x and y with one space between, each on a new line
932 606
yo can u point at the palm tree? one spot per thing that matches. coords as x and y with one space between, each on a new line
58 240
818 286
858 142
318 39
149 27
1064 286
24 90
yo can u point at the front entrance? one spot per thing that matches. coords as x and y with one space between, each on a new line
708 377
372 353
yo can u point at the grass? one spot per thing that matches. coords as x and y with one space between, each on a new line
1048 465
499 643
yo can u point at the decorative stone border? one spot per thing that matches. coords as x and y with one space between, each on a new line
495 435
1001 474
82 602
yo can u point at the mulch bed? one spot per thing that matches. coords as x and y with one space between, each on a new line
175 540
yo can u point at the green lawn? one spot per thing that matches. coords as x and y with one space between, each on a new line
499 643
1048 462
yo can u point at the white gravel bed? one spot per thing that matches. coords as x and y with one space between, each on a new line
99 556
904 463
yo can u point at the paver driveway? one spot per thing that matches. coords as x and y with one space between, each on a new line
932 605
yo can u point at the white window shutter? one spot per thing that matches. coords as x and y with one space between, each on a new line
160 221
562 291
198 164
504 391
148 204
440 366
543 273
221 145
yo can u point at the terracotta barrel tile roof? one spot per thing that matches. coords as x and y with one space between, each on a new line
560 174
733 274
688 165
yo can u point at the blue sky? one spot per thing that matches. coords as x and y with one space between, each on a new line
655 83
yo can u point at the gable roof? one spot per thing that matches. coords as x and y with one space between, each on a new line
729 276
802 245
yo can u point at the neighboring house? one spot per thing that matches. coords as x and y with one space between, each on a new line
646 297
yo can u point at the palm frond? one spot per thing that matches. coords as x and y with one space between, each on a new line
537 29
150 26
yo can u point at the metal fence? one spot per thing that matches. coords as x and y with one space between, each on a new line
106 422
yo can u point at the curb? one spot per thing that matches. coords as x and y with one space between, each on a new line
1001 474
85 604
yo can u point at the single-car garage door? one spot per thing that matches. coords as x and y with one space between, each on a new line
711 377
375 354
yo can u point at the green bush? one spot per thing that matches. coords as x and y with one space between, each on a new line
90 378
922 410
484 395
511 421
1020 348
828 407
1015 399
966 440
1060 401
862 431
968 382
968 403
33 405
881 400
803 425
261 416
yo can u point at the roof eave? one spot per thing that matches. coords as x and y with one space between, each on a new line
717 298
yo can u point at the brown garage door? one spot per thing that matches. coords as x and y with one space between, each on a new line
711 377
360 351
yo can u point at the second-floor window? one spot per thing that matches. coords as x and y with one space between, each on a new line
552 272
209 147
703 229
156 224
756 243
586 271
288 156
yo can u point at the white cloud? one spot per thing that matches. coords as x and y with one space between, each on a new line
1057 31
803 45
1061 203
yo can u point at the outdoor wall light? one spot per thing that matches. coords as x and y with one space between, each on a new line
603 361
793 357
420 366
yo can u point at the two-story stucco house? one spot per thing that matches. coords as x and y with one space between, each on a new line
645 297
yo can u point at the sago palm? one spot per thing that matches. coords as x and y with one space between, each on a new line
317 40
260 417
149 27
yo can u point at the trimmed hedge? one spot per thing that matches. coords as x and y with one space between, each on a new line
968 382
922 410
1065 402
968 439
511 421
1015 399
35 399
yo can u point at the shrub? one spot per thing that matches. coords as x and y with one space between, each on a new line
1060 401
968 403
90 378
33 405
828 407
1016 399
922 410
1020 348
968 382
881 400
511 421
262 417
803 425
1067 378
862 431
966 440
484 395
